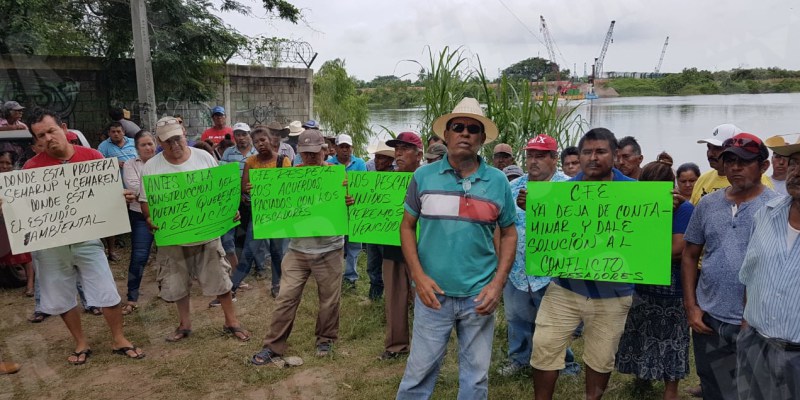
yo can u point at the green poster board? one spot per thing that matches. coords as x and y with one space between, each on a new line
193 206
378 209
298 202
603 231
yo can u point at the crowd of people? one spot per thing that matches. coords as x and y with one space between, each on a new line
734 291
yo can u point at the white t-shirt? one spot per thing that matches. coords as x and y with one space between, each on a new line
780 186
791 237
199 159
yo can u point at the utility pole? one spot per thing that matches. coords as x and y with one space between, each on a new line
144 67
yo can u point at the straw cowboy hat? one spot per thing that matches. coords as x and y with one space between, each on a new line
469 108
779 145
295 128
384 149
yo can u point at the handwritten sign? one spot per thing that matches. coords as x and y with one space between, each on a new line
378 210
65 204
194 206
298 202
603 231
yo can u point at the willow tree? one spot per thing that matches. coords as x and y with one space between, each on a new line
339 107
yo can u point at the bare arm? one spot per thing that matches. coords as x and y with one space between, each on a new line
246 186
689 262
678 244
146 215
425 286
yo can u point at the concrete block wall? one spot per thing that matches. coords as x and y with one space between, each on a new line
74 87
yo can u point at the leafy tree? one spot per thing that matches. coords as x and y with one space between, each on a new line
28 27
382 80
187 41
338 105
532 69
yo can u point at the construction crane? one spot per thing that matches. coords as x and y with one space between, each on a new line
597 69
661 59
599 61
548 41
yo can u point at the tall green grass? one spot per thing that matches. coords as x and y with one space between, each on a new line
509 103
446 83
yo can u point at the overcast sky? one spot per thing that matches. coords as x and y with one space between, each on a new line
374 37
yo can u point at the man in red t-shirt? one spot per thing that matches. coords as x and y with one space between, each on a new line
59 267
217 132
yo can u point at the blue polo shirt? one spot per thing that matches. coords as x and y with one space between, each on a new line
124 153
457 218
356 164
598 289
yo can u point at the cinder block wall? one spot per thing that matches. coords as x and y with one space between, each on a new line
74 87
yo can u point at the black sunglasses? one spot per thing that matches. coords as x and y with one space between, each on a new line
471 128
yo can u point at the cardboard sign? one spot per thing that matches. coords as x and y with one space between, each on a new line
298 202
65 204
194 206
378 210
602 231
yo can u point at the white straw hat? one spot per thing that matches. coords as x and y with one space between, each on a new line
470 108
384 149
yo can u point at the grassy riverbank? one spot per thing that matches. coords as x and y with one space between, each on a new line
693 82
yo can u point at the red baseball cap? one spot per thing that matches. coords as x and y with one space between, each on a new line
407 138
71 136
542 142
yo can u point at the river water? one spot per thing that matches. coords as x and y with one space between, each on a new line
671 124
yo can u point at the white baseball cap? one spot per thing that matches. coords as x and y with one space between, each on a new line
344 139
721 133
241 126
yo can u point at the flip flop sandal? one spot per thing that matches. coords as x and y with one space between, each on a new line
86 353
94 311
233 330
265 356
128 309
178 335
123 351
37 317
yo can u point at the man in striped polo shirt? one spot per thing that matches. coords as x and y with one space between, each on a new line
458 203
768 346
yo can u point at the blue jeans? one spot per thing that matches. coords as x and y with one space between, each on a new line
141 241
352 250
375 270
428 344
255 251
521 308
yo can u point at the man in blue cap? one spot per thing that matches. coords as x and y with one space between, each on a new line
220 128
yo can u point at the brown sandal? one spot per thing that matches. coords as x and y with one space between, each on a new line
235 330
178 335
129 308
